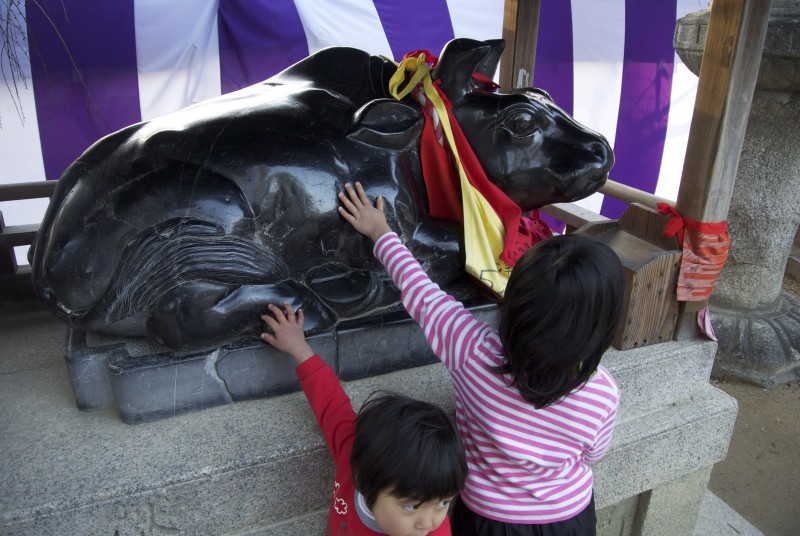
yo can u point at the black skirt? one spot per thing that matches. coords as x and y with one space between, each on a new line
465 522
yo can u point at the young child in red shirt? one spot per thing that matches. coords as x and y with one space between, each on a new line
399 461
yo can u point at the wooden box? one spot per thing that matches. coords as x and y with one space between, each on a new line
651 262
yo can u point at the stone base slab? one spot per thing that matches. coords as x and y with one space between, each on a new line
761 347
144 382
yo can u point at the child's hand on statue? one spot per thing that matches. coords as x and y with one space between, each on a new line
365 218
287 332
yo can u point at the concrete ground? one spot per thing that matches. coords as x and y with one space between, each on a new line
760 477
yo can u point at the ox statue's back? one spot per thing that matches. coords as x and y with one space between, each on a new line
183 228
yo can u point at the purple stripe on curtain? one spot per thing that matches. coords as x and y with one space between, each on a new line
257 39
644 99
415 25
553 71
83 66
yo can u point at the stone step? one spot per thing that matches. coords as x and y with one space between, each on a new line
261 465
660 374
680 439
715 517
677 439
209 472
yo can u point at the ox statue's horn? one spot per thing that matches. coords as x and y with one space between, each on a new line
459 59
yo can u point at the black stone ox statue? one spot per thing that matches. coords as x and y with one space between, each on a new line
182 229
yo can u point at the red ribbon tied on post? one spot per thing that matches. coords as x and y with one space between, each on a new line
705 249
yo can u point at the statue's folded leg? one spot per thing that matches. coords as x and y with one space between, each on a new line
351 292
198 314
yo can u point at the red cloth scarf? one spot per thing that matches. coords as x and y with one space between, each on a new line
705 250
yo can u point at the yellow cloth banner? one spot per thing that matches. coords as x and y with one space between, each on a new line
484 232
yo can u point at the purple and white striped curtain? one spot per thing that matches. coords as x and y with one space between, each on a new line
93 67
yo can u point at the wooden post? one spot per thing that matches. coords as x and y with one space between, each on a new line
728 73
520 30
15 280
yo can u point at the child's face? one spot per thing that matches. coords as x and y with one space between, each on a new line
406 517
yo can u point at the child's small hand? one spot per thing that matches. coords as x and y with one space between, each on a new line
366 219
287 332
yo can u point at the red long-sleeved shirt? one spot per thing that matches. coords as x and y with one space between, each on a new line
337 420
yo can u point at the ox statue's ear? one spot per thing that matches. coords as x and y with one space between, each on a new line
459 59
488 65
386 123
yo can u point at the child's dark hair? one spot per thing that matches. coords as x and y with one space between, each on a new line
407 446
563 305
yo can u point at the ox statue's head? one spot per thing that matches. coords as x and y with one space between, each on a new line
529 147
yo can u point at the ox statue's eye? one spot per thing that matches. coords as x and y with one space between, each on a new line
521 123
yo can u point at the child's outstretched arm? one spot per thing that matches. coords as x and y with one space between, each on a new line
287 332
366 219
328 401
430 307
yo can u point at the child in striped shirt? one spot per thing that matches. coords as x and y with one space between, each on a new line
534 408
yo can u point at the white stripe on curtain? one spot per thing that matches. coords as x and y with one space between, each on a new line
352 23
177 55
20 150
598 47
681 108
478 19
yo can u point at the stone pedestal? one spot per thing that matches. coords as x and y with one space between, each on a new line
758 326
144 382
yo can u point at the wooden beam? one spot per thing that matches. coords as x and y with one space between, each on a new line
18 235
728 74
571 214
520 30
625 193
27 190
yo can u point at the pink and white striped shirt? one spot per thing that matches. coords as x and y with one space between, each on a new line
526 465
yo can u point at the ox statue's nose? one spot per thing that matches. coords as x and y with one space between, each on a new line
604 158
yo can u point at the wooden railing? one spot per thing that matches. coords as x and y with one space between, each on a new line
15 279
